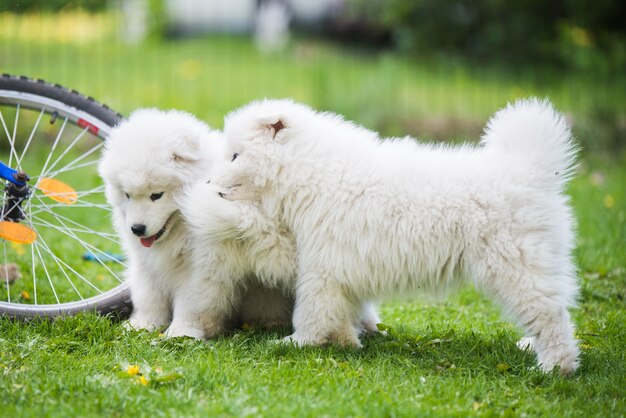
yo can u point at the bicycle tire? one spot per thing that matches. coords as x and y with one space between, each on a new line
86 113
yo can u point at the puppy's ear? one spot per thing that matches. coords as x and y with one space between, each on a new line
186 151
183 158
274 127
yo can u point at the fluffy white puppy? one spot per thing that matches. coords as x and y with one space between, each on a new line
148 161
236 246
374 217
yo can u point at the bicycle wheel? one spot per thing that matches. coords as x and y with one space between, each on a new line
59 254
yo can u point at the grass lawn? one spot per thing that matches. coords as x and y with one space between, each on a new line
456 357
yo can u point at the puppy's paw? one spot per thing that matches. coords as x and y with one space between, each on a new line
526 343
136 323
180 330
369 325
348 337
129 326
370 328
369 320
299 340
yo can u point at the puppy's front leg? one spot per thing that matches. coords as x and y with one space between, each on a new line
323 312
369 319
201 310
151 304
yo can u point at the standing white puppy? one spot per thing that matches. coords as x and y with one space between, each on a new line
149 160
235 247
376 217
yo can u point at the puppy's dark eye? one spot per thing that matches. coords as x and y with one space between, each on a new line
235 155
156 196
127 196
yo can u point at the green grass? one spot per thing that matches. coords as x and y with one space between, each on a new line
452 358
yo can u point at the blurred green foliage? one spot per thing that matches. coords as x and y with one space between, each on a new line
562 31
27 6
454 63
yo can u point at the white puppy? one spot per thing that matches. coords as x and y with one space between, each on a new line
235 247
376 217
148 161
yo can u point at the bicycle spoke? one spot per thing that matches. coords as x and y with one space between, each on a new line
79 193
71 164
12 140
67 149
54 145
34 272
32 263
9 137
62 219
45 269
59 217
53 174
110 237
32 134
67 231
6 273
102 206
80 276
70 232
41 242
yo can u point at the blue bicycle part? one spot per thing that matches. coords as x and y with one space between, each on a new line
10 174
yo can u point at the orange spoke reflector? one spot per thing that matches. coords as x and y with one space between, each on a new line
15 232
57 190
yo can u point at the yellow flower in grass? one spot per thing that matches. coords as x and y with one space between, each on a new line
143 380
25 295
132 370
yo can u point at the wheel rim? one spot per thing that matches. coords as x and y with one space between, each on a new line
76 255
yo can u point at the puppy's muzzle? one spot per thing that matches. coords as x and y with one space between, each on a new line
138 229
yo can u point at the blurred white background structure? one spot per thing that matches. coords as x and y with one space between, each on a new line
268 20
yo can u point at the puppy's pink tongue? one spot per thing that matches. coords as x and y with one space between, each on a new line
147 242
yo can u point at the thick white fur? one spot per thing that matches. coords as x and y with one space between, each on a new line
235 247
376 217
157 151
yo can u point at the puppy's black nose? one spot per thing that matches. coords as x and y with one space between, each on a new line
138 229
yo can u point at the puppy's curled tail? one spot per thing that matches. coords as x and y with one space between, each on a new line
532 136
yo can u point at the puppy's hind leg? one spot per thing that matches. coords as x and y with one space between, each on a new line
538 303
323 313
